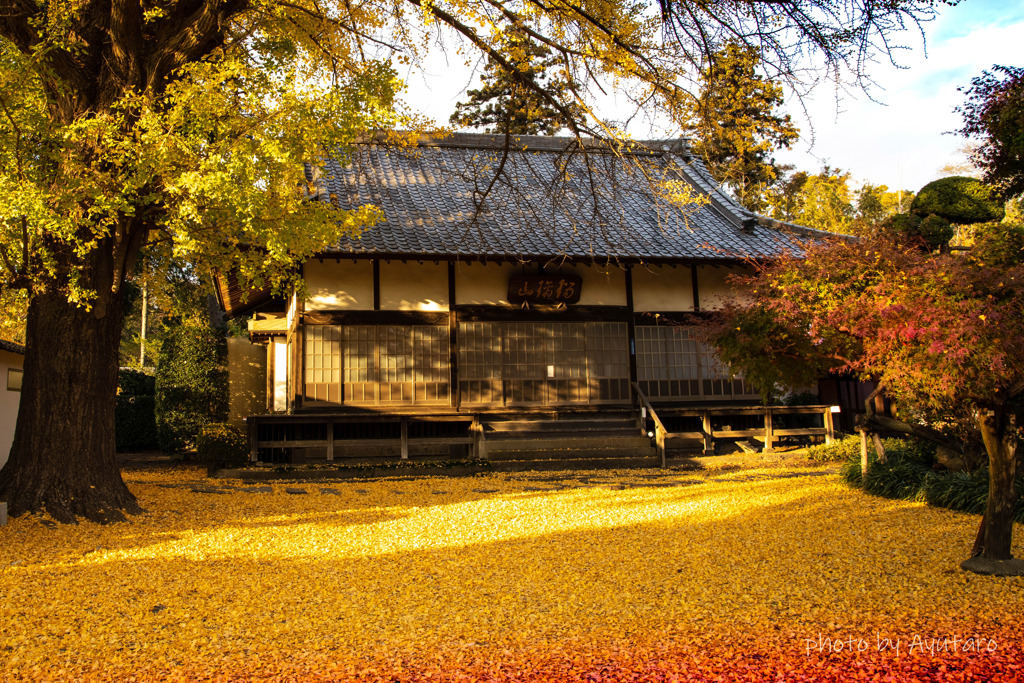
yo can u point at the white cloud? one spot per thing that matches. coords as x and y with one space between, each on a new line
904 141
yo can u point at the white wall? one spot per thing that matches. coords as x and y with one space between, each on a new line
413 286
339 285
9 401
663 288
714 289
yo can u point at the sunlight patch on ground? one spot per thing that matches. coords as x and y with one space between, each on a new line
458 575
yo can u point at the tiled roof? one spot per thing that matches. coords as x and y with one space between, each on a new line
446 198
11 346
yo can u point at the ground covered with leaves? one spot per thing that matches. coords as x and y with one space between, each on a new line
751 575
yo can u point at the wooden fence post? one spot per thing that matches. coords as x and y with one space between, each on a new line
863 452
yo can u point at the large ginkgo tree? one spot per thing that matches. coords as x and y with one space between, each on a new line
182 126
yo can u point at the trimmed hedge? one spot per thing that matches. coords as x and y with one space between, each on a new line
134 412
221 445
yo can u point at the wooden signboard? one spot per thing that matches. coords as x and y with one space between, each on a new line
544 289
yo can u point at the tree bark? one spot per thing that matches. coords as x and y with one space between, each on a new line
999 434
63 460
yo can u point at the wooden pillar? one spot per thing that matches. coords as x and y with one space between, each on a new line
830 427
696 295
405 438
863 452
376 284
455 393
253 432
330 439
659 442
769 432
271 373
631 326
709 441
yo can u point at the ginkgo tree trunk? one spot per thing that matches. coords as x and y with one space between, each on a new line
182 127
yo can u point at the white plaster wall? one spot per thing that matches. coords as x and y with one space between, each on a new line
413 286
714 290
9 401
601 286
338 285
663 288
483 284
280 374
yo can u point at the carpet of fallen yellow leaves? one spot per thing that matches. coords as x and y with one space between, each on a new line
764 574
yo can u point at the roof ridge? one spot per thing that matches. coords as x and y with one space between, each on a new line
533 143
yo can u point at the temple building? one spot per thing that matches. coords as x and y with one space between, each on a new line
511 288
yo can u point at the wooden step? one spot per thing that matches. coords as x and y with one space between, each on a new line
638 450
571 425
575 464
566 442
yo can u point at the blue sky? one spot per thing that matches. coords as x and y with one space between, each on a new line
903 139
897 135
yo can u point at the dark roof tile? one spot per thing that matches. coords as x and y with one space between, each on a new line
435 204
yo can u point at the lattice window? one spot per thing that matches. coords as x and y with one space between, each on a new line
543 362
359 361
667 362
480 362
608 362
322 380
672 364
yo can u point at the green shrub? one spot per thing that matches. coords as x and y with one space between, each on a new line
840 450
191 382
221 445
896 478
958 199
908 475
999 244
936 231
134 415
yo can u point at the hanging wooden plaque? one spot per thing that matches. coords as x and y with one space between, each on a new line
544 289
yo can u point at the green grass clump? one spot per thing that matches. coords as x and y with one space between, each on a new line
908 475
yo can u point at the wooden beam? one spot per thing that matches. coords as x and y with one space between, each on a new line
376 318
543 313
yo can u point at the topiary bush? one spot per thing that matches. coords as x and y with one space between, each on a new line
221 445
958 199
936 231
191 381
134 412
